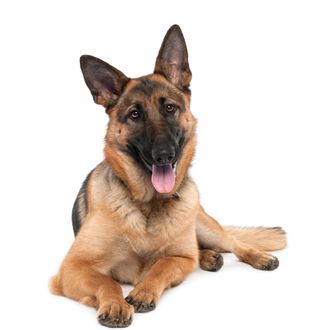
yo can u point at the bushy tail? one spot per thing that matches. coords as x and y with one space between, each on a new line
261 238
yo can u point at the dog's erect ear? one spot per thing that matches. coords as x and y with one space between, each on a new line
105 82
172 60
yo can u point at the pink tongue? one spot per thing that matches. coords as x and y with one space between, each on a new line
163 178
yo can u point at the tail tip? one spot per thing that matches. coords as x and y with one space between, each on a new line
279 229
282 239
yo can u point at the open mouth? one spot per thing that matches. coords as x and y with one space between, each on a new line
162 175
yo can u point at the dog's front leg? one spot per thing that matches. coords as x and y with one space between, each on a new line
166 272
79 281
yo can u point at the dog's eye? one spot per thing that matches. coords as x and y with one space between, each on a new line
134 114
170 108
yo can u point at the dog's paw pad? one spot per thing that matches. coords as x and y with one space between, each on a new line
210 260
116 315
114 322
261 260
141 306
271 264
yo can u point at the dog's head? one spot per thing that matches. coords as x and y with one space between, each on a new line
151 132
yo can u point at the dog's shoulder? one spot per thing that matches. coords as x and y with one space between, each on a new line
80 206
104 192
95 179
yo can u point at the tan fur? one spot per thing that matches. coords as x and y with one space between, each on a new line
261 238
55 286
249 244
151 245
132 234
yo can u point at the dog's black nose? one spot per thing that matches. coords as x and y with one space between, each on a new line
163 154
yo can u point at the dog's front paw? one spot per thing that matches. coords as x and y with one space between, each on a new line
115 314
142 300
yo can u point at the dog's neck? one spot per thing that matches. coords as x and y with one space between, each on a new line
143 192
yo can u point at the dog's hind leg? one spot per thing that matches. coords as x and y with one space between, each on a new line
77 280
212 236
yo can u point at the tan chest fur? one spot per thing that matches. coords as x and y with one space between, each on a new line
126 237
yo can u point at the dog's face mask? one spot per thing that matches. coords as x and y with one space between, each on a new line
150 117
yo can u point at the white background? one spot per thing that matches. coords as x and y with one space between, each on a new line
261 82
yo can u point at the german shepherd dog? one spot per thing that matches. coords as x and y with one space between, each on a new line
137 217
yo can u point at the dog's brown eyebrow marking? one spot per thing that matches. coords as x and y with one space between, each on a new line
149 87
146 87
